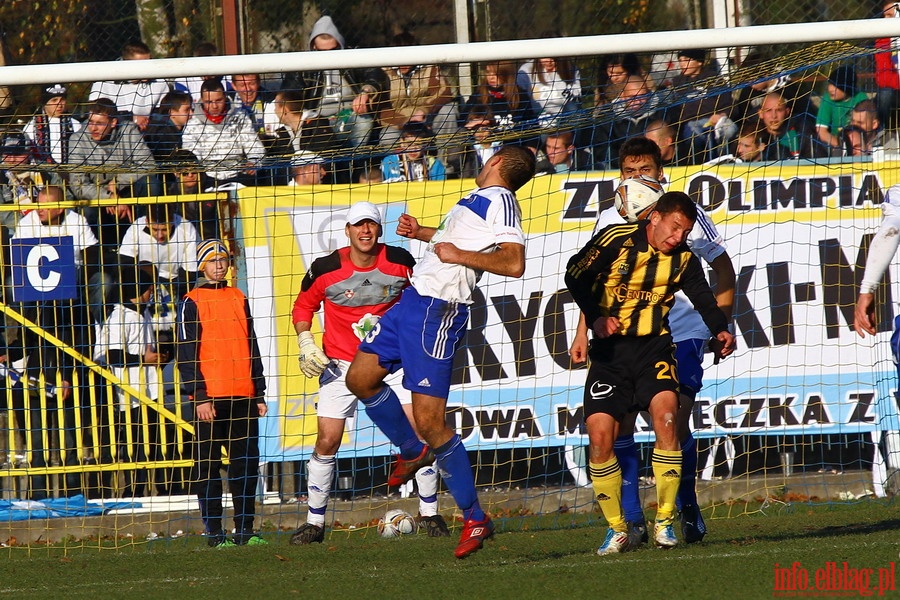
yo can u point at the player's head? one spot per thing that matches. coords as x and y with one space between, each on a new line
363 227
213 259
640 156
671 221
513 165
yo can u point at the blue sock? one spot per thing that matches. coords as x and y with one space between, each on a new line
385 411
456 471
687 491
627 454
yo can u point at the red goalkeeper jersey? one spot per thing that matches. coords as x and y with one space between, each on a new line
354 298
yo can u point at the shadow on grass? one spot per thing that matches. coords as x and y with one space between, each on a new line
832 531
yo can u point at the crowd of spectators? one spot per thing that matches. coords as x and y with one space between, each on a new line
140 138
246 130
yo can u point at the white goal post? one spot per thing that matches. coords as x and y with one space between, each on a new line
453 53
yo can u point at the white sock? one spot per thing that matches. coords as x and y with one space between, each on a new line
427 481
320 473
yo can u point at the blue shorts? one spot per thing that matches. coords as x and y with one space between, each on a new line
419 334
689 356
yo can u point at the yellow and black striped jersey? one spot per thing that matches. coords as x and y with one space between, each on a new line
618 274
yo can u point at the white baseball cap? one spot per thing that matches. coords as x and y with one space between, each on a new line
361 211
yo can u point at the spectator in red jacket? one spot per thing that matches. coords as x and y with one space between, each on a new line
887 69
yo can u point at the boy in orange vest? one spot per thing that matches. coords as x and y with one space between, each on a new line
220 365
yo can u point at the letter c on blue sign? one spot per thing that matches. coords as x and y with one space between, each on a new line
36 263
43 269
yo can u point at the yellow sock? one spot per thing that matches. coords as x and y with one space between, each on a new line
667 471
606 480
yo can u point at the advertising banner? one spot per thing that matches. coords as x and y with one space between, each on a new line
797 236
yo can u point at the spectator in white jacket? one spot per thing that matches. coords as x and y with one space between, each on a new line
224 139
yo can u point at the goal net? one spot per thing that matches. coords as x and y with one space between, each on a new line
96 423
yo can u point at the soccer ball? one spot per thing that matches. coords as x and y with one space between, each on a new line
635 196
396 522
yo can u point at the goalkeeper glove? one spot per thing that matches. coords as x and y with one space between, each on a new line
312 360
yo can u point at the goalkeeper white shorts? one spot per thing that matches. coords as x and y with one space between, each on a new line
336 401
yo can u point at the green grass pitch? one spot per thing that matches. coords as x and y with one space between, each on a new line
526 559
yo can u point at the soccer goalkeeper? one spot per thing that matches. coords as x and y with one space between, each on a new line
356 285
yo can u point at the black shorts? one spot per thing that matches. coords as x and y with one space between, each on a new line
626 372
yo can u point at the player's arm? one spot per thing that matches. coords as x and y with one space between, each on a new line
256 370
697 289
583 274
507 260
408 227
578 349
707 243
881 251
312 359
187 351
725 283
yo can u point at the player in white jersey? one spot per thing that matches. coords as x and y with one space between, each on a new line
881 252
478 223
420 334
641 156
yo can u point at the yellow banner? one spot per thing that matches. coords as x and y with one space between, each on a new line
283 229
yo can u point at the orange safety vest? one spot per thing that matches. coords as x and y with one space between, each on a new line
224 358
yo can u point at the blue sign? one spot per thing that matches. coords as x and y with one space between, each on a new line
43 269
